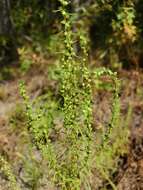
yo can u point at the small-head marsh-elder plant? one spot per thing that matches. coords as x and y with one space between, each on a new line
71 169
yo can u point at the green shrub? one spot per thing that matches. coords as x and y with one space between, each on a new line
71 157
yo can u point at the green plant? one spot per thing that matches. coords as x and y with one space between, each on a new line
70 158
77 109
70 171
37 127
6 169
114 139
115 102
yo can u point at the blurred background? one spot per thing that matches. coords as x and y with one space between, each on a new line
114 29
